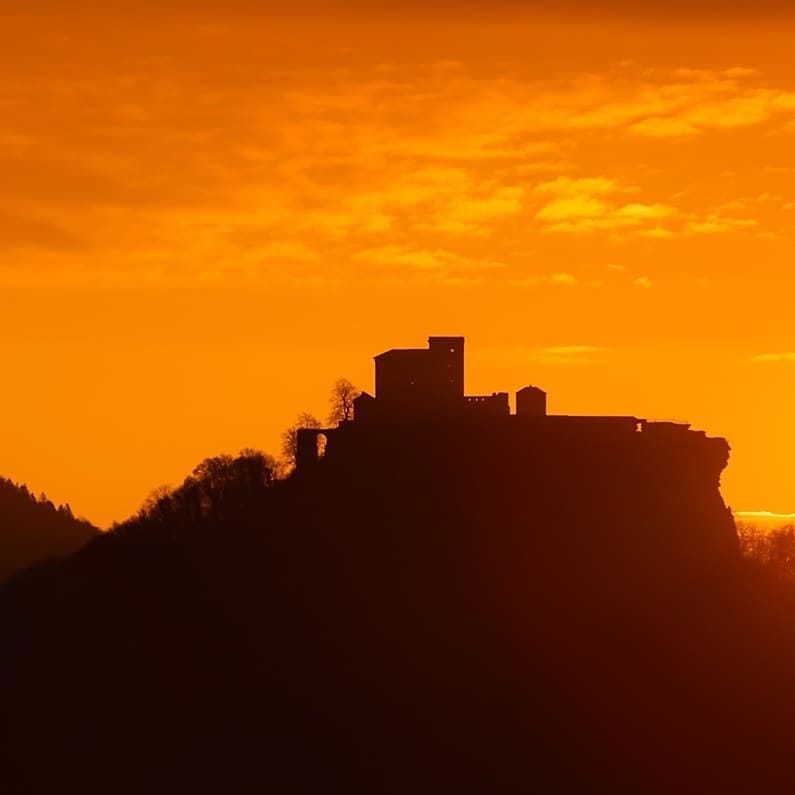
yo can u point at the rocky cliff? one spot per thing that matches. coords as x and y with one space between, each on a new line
611 486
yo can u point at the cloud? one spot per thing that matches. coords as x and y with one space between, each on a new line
658 232
700 101
569 187
657 127
574 208
723 112
476 213
394 255
646 103
558 279
646 212
584 205
562 278
437 266
517 356
288 251
570 350
773 358
589 205
715 224
682 104
570 354
644 282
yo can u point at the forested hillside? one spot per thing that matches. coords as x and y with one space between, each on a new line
33 528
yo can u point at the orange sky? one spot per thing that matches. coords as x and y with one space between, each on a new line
208 215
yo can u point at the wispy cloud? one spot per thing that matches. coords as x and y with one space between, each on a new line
788 356
557 279
571 354
570 350
437 265
714 224
399 256
594 204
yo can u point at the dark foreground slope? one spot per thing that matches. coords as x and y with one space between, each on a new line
473 618
34 529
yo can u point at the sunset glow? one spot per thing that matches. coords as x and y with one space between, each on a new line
207 216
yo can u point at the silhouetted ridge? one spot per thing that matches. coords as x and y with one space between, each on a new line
33 529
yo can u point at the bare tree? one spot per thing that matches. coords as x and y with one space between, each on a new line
157 504
257 466
216 486
343 393
290 437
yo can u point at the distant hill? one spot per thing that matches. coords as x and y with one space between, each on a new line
34 529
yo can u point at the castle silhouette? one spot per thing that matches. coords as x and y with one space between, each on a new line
423 388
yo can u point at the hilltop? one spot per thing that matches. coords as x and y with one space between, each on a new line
392 623
462 602
33 529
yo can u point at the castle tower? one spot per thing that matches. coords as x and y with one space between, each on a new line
531 402
447 354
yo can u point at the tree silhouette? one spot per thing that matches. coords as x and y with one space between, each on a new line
343 393
217 486
290 437
156 503
773 550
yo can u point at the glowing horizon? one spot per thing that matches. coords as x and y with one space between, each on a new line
765 517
